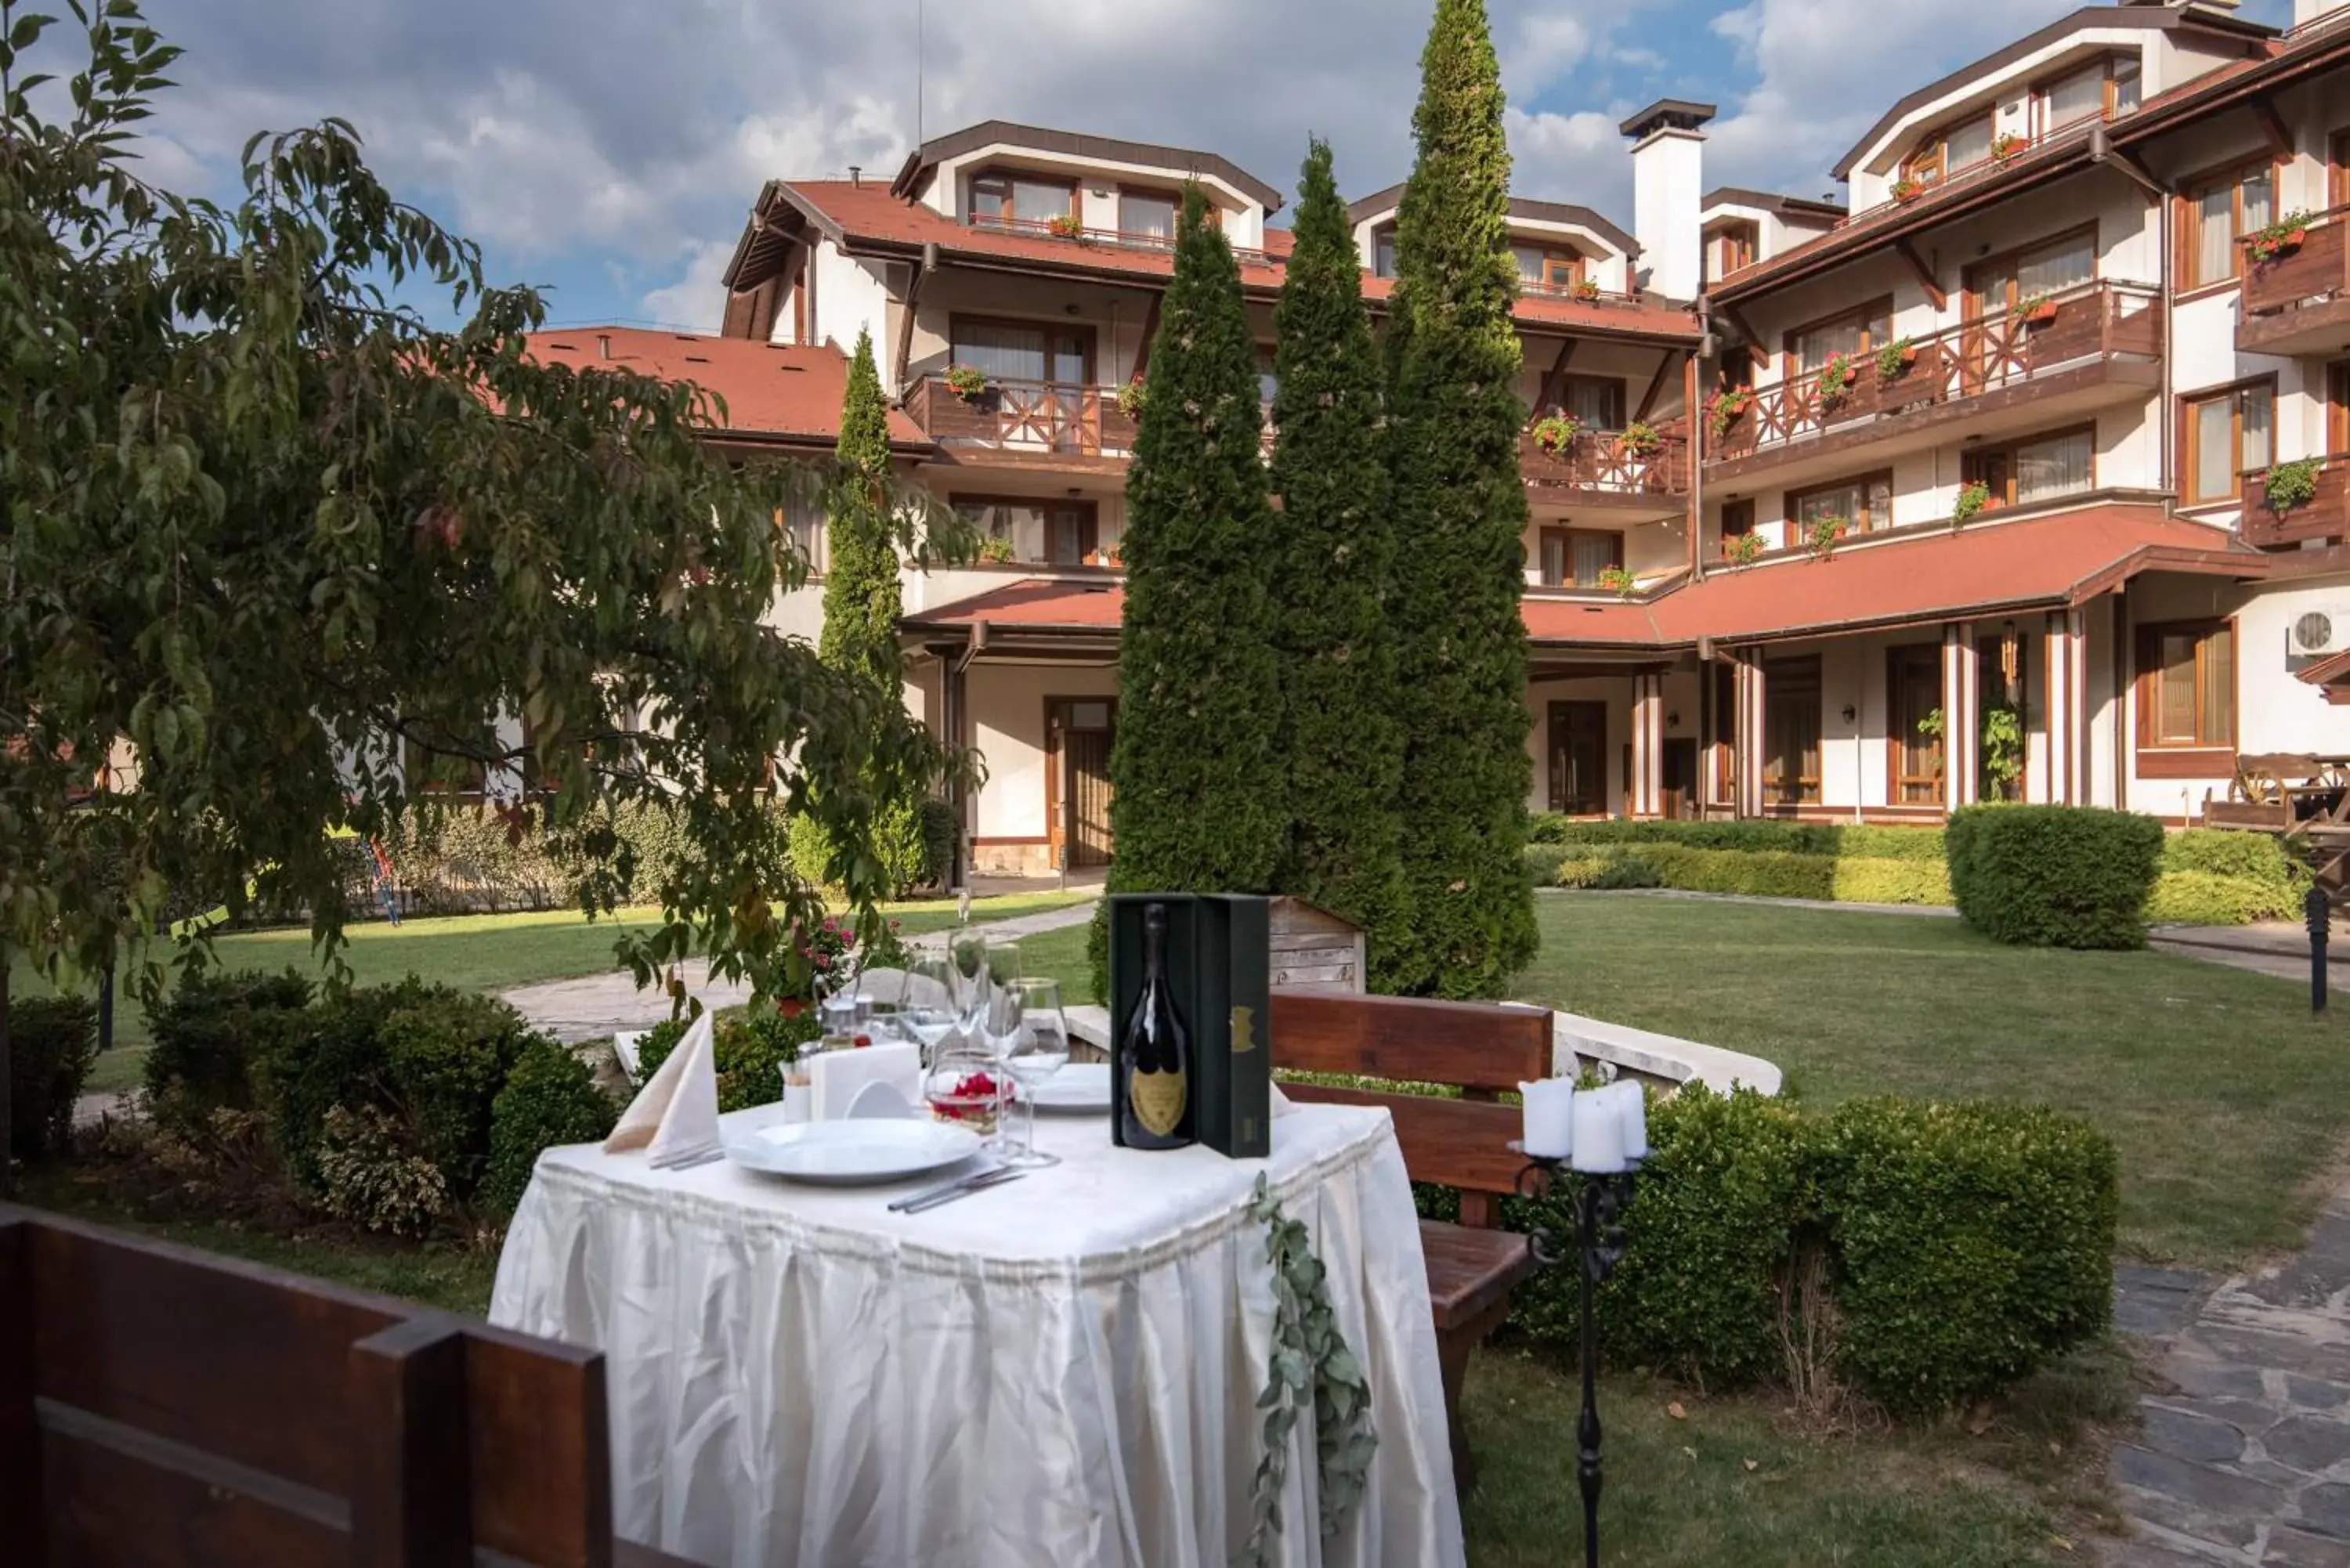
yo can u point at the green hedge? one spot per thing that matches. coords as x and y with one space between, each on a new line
1861 840
2054 875
1965 1245
2231 852
1764 873
748 1046
549 1098
204 1037
52 1044
2198 898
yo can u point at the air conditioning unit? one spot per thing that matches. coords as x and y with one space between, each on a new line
2320 632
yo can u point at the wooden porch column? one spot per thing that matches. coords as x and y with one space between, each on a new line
1645 789
1961 721
954 702
1746 737
2067 668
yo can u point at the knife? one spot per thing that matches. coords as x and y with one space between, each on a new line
923 1201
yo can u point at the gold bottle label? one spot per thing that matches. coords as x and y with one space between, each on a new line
1158 1100
1243 1031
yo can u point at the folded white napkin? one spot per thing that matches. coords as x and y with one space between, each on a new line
835 1077
674 1118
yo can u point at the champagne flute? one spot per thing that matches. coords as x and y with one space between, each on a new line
1000 1031
1039 1049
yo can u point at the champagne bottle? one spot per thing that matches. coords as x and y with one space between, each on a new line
1154 1057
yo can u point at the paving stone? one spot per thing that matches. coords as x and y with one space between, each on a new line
2195 1500
2325 1508
2141 1552
2150 1302
2283 1351
2311 1443
2315 1393
2290 1548
2206 1377
2250 1417
2312 1279
2189 1436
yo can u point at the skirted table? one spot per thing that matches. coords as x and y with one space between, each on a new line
1064 1369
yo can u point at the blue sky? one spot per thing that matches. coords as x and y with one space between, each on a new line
610 152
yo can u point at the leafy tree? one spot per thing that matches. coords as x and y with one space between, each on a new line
268 535
1454 417
1339 738
1199 803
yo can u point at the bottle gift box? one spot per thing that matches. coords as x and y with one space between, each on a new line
1218 958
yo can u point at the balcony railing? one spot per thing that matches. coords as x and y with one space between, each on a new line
2318 268
1599 461
2078 327
1102 239
2324 516
1021 416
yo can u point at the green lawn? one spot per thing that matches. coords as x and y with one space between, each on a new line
476 952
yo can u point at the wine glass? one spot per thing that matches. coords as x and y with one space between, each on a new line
928 1005
967 976
965 1087
1037 1050
999 1034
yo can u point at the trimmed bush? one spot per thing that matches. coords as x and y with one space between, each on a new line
1972 1243
369 1174
52 1044
1864 841
749 1050
206 1035
2200 898
2230 852
2054 875
550 1098
1762 872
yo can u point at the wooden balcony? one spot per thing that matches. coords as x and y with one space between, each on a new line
2095 344
1101 239
2325 516
1025 423
2299 302
1597 469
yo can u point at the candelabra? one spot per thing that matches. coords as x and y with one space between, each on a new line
1599 1197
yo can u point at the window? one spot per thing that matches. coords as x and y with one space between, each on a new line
1577 555
2123 96
2227 432
1383 253
2003 680
1951 150
1737 518
1737 368
1595 403
1058 533
1813 347
1913 695
1734 248
2098 91
801 516
1791 730
1023 350
1865 504
2220 211
1547 266
2038 468
1578 758
1019 200
1147 215
2186 684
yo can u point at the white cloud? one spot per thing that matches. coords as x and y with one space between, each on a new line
1571 158
697 299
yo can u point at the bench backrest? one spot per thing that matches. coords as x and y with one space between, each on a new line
162 1405
1481 1048
2285 767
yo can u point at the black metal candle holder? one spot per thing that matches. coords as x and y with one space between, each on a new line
1600 1203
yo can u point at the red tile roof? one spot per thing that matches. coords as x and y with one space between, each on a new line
2048 560
791 393
867 214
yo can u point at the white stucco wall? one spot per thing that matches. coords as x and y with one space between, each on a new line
1668 186
1007 716
1680 696
852 294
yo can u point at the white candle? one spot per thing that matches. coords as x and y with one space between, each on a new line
1633 1105
1549 1118
1599 1133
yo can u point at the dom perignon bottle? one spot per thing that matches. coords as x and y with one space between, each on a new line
1154 1057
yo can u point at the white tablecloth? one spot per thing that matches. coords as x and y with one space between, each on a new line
1061 1370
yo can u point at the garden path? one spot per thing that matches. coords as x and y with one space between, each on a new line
593 1006
2243 1455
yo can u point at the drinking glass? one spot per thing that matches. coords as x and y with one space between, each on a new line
1037 1049
964 1087
997 1036
928 1006
968 976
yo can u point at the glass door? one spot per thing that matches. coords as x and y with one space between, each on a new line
1578 758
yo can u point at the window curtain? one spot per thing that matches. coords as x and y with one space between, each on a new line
1969 144
2077 96
2219 691
1593 553
2051 271
2214 234
2215 449
1000 351
2057 467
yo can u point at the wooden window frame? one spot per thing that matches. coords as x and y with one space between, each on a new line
2107 64
2337 167
1550 752
2190 191
1732 246
1938 139
2009 259
1866 312
1732 513
2202 757
1895 781
1556 257
1810 788
1969 459
1010 175
1174 199
1617 394
1386 232
1056 760
1566 539
2187 403
1090 534
957 321
1795 498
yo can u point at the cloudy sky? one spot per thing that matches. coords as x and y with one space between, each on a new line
610 151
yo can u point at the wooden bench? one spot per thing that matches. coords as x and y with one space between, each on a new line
1482 1049
2276 792
160 1406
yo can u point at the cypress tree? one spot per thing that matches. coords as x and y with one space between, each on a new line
1460 519
1339 738
861 585
1197 804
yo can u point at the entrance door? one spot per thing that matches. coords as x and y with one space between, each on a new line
1578 758
1680 778
1077 735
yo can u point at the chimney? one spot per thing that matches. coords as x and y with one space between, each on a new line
603 346
856 175
1668 186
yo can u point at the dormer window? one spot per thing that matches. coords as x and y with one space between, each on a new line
1951 150
1146 215
1733 246
1547 268
1007 200
1383 252
2097 91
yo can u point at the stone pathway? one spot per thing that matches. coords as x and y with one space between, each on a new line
2276 948
593 1006
2243 1457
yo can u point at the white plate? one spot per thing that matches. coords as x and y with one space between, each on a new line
1081 1088
852 1153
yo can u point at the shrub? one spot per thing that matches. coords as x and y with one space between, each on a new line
1626 871
1542 860
1971 1243
1865 841
206 1035
2227 852
748 1048
655 1045
942 835
370 1176
2054 875
52 1044
549 1098
2201 899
